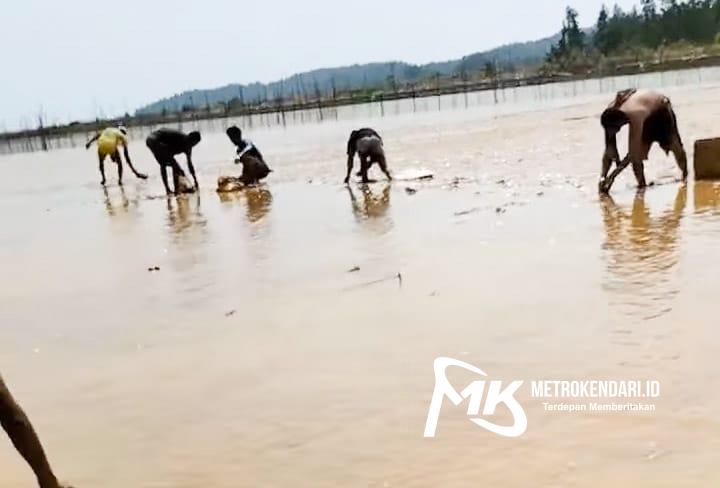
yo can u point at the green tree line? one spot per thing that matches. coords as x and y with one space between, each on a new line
651 25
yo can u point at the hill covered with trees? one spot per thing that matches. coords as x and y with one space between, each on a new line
651 31
325 82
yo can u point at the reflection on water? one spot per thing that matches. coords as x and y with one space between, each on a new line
258 201
707 197
642 251
112 206
372 210
184 214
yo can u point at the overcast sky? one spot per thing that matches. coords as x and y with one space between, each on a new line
81 58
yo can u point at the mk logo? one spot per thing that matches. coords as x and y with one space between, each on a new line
474 393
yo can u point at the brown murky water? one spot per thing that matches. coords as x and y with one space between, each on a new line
254 358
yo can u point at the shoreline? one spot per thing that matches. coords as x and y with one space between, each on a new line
43 134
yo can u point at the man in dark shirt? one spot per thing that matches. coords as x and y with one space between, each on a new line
165 144
369 147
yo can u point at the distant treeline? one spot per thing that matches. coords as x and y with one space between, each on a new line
648 29
359 79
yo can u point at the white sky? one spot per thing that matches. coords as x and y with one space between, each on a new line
81 58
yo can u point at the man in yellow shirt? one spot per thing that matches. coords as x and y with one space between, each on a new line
108 143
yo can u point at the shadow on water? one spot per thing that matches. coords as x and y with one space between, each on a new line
641 253
258 201
371 211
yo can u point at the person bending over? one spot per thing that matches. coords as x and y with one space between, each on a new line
108 144
165 144
369 147
651 118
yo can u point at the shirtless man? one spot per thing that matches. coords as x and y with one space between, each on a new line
165 144
108 143
369 146
651 119
24 438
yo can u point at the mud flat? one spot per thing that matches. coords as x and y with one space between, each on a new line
254 357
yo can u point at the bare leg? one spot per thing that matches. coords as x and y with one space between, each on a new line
101 160
176 180
383 166
680 156
118 160
163 173
349 169
364 167
639 170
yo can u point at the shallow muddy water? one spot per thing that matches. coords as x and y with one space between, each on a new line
254 357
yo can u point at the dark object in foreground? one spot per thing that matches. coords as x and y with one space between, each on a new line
707 159
23 436
652 119
369 147
165 144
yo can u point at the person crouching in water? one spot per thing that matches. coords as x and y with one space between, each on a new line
369 147
651 118
165 144
108 144
254 166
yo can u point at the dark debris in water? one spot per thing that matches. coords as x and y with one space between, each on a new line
462 213
397 277
153 269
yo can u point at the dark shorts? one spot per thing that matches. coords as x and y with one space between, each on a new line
661 127
162 153
369 146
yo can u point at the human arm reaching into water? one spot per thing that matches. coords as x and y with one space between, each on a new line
126 153
94 138
18 427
